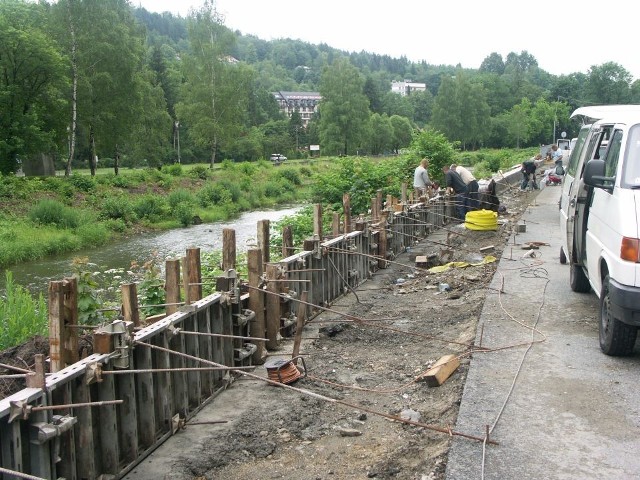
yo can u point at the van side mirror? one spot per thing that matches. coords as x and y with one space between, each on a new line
594 175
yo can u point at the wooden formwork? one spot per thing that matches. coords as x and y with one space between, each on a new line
136 395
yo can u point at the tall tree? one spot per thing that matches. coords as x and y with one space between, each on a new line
402 132
608 83
216 91
461 111
106 46
381 133
344 109
492 64
32 84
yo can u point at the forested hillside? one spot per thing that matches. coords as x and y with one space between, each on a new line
101 83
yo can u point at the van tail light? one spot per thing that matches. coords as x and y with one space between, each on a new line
630 249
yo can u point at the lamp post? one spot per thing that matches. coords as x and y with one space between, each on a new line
178 138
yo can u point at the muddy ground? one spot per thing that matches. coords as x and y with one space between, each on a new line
360 376
360 379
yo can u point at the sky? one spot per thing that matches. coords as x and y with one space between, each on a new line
561 36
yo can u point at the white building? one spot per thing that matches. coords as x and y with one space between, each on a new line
407 87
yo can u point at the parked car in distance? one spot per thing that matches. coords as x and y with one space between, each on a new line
278 158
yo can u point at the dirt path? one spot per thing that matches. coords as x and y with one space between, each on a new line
364 372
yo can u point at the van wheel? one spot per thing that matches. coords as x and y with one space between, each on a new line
578 281
616 338
563 257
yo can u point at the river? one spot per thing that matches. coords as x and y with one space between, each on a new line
140 249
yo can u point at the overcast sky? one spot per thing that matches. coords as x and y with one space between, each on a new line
561 35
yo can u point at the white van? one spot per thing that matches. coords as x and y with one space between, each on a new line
600 220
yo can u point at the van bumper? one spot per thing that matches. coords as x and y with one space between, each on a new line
624 302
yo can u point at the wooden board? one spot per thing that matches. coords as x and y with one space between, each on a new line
442 370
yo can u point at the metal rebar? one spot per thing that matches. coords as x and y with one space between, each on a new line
162 305
308 270
14 473
166 370
16 375
208 422
17 369
287 281
88 327
206 334
77 405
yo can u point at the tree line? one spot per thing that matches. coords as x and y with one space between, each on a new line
99 82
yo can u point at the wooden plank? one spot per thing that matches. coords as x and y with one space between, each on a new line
70 345
346 207
130 310
194 274
257 327
108 421
145 398
56 325
85 442
172 285
228 249
287 241
263 240
179 379
127 416
203 319
66 467
335 224
193 349
442 370
272 320
162 384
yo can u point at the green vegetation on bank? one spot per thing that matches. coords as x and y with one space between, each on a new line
51 215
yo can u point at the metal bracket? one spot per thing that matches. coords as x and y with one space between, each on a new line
43 432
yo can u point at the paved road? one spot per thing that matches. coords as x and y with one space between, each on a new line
573 413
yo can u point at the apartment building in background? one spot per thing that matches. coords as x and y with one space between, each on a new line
305 103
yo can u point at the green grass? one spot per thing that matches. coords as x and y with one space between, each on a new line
21 316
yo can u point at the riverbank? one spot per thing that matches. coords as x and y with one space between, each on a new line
41 217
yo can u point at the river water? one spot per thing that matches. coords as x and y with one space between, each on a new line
140 249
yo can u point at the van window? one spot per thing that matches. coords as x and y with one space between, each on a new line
576 150
613 153
631 169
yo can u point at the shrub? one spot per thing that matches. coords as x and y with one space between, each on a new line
184 213
115 225
179 196
21 316
291 175
83 183
150 207
118 207
213 194
200 171
120 181
52 212
175 170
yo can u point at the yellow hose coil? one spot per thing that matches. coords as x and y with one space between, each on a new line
481 220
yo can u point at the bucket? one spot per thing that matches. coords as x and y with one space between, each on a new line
481 220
